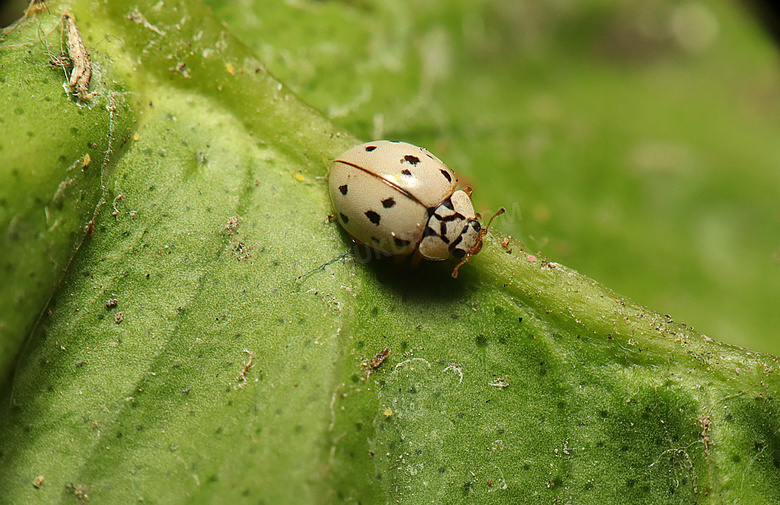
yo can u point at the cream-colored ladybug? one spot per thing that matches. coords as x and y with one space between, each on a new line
400 199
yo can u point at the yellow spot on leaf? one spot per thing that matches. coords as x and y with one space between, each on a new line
229 67
299 177
87 159
388 412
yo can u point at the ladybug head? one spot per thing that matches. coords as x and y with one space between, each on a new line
471 242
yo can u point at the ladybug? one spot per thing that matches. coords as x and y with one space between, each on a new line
400 199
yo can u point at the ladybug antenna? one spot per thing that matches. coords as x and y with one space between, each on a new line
478 247
484 230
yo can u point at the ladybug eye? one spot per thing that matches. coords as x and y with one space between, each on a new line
475 224
458 253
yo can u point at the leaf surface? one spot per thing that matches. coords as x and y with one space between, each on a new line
209 340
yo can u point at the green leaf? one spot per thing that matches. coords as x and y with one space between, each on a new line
633 142
210 341
55 166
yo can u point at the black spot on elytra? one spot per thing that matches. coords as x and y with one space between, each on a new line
429 232
374 240
452 217
343 188
370 148
446 175
373 217
411 159
406 172
344 218
455 244
443 228
401 242
388 202
448 204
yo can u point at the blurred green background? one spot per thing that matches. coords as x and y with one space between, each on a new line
635 141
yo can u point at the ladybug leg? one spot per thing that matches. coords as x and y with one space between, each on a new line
331 218
416 258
